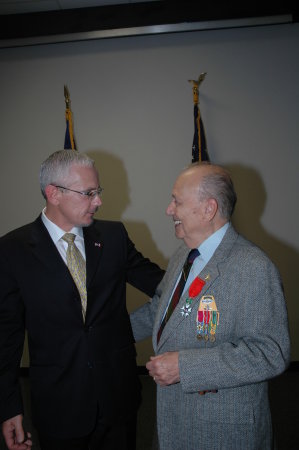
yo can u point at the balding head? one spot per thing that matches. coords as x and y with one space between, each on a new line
213 181
203 200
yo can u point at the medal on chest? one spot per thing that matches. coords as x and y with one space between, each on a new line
207 318
193 291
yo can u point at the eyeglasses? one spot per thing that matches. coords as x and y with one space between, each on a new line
90 194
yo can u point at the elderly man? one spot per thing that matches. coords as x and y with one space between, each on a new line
219 325
63 278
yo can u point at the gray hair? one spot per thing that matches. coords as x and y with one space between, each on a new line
56 167
217 183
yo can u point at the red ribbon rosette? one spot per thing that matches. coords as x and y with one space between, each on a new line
196 286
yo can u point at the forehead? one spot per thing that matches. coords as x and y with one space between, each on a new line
82 174
187 184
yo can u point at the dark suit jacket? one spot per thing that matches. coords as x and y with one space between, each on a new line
76 368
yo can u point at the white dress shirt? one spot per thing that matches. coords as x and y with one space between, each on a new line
56 234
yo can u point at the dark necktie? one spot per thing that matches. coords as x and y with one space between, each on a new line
179 289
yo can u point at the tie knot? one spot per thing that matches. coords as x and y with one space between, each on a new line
194 253
69 238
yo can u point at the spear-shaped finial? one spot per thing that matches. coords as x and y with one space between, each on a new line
196 84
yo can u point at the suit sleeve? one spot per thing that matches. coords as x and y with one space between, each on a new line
256 346
143 318
11 342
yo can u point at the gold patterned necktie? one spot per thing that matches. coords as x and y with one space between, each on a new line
77 267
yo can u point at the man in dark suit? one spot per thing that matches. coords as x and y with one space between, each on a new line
228 333
84 384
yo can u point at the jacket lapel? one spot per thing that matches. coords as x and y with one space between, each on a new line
47 254
172 275
177 316
93 250
44 248
209 274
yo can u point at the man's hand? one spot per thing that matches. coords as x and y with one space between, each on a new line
14 435
164 368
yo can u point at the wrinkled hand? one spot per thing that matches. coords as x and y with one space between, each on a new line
164 368
14 435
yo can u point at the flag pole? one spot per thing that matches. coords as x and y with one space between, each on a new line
69 141
199 150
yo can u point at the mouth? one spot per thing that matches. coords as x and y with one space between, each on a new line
177 222
91 215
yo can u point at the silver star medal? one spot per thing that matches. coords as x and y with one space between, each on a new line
186 310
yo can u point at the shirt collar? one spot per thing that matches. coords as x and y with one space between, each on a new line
208 247
55 231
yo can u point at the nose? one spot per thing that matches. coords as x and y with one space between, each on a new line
170 209
97 200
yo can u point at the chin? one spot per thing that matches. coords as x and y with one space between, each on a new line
84 225
178 234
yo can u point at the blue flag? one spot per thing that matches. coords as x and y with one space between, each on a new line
199 147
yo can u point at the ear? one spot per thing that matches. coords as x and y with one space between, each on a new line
211 208
53 194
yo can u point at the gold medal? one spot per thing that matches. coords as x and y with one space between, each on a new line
207 318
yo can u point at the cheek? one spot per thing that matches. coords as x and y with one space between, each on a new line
196 214
75 211
194 219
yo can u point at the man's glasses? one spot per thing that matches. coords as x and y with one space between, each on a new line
90 194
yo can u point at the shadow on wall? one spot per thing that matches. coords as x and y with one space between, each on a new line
116 198
251 202
114 180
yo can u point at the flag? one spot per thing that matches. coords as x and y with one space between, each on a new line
69 141
199 147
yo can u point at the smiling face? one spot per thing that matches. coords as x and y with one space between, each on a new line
68 209
195 218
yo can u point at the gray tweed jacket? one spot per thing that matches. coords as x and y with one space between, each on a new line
252 345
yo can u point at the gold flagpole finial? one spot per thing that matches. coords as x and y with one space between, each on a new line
67 97
196 84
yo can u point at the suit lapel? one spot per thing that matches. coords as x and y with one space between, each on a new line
173 273
44 248
47 254
93 250
209 274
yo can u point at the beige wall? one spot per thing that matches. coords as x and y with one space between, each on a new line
133 113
